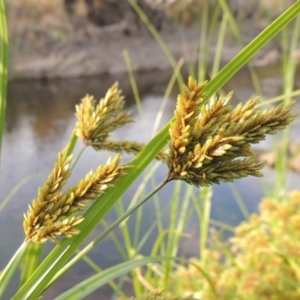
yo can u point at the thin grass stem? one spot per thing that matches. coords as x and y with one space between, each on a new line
166 96
238 37
157 37
239 200
203 45
106 232
11 268
3 68
206 194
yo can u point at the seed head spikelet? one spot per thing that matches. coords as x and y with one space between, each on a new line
48 194
55 216
95 122
187 108
208 142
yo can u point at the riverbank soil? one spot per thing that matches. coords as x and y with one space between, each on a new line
79 38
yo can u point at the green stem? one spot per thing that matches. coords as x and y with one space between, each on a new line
207 191
203 45
238 37
3 68
251 49
100 237
69 149
11 268
157 37
77 157
289 69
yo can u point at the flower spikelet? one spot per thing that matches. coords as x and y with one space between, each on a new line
94 184
212 143
47 194
96 121
55 216
187 109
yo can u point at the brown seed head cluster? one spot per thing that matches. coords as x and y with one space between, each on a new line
96 121
51 213
211 143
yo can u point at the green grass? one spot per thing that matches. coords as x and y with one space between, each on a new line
3 68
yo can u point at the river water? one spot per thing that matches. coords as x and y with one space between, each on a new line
39 122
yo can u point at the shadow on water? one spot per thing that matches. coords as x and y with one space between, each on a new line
40 119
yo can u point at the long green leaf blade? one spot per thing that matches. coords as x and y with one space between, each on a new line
94 282
3 68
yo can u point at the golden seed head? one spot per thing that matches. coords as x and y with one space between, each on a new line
96 121
211 142
50 214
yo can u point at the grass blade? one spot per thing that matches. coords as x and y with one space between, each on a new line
3 68
11 268
91 284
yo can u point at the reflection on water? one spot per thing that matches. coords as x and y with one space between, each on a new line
40 119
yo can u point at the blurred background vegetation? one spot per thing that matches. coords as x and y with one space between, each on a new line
48 34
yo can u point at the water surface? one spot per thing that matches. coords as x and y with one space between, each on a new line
40 119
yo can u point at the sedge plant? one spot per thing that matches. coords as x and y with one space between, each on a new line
175 229
208 144
183 286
